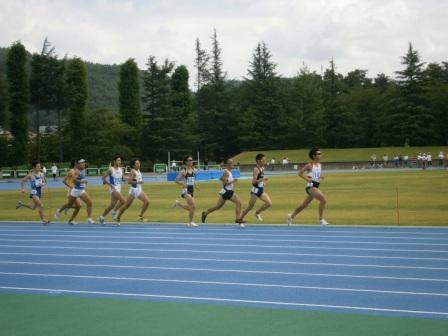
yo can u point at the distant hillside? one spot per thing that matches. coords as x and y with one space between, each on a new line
102 83
338 155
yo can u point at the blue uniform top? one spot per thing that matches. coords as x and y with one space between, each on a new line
82 176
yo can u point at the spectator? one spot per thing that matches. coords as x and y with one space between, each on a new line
396 161
441 157
54 171
44 171
424 159
385 160
429 159
173 165
273 163
419 160
405 160
373 160
284 161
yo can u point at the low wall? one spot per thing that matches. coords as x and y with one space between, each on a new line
202 175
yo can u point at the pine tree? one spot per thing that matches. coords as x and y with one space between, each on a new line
417 123
76 98
201 65
213 107
3 103
18 90
263 98
129 91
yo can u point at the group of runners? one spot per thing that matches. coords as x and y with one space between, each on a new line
76 182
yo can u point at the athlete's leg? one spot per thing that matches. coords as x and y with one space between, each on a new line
191 207
252 200
145 199
113 202
303 205
317 194
235 199
74 204
86 199
125 206
38 206
219 204
267 203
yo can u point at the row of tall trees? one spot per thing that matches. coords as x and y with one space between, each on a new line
220 117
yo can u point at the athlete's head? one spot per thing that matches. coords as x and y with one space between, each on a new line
35 165
229 162
260 158
314 153
117 160
188 160
135 163
73 164
81 163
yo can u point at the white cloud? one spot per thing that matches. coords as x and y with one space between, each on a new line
366 34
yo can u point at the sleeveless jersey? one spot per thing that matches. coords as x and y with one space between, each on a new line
138 178
82 176
190 177
229 184
116 177
259 176
314 174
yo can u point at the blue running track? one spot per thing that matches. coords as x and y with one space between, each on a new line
380 271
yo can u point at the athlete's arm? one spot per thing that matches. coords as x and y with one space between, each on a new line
106 175
23 181
305 169
131 177
180 176
67 177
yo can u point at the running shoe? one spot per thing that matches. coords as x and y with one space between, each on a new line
72 223
66 211
241 225
203 216
113 214
258 217
45 222
289 219
90 221
101 220
176 204
57 214
323 222
118 221
142 219
192 224
19 204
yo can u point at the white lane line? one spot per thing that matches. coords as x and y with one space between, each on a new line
413 230
191 269
223 283
235 234
248 245
212 299
229 239
247 252
282 261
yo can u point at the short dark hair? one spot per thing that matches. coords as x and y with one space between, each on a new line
186 158
116 157
73 163
313 151
34 163
259 156
133 161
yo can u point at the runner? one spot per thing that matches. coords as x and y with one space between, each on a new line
313 171
113 177
257 191
78 176
187 179
37 181
135 179
227 193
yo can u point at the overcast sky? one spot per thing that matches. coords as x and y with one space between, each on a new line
358 34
